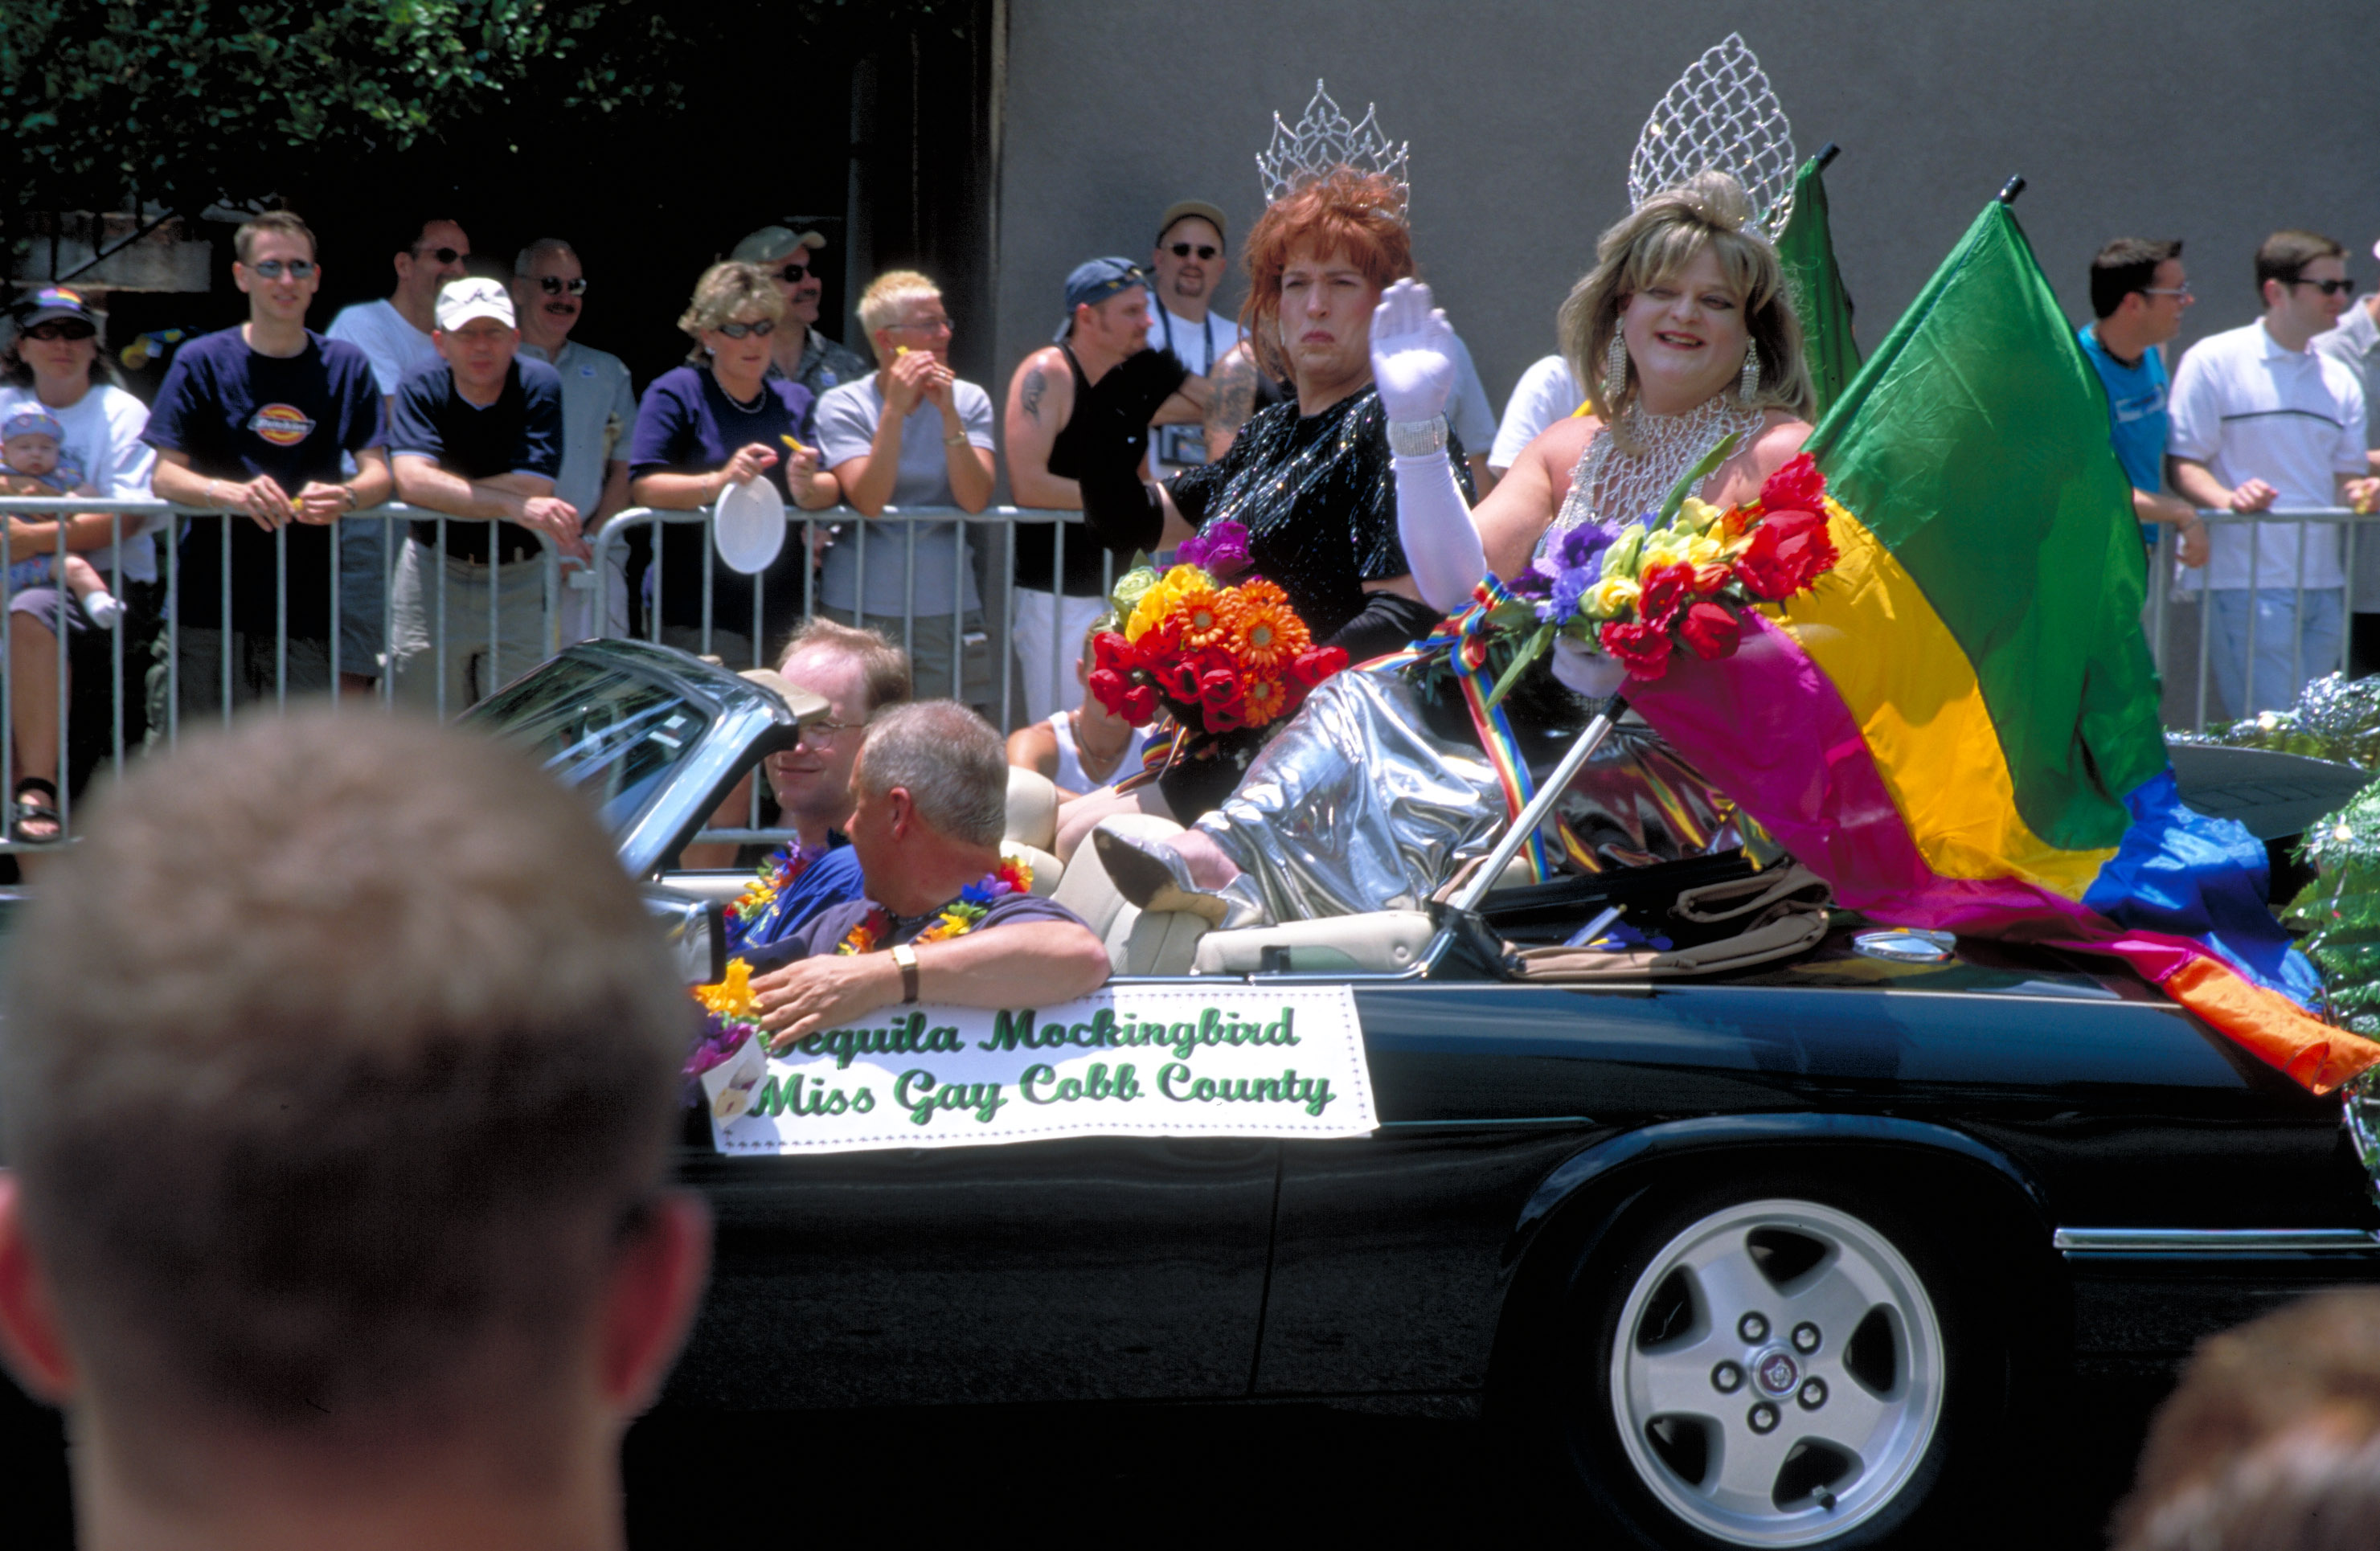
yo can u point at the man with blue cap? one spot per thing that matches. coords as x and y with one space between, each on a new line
1100 386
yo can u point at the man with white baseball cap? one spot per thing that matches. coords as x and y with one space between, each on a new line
479 436
799 353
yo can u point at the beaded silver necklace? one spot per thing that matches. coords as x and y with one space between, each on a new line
1620 487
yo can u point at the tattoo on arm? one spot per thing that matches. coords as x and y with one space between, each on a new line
1030 400
1234 393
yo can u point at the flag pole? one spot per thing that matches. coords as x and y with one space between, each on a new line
2010 189
1827 153
1550 792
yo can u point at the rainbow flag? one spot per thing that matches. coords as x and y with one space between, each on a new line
1959 728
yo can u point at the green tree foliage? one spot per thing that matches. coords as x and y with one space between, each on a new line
186 102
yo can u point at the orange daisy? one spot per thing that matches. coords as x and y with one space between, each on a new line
1198 618
1267 635
1264 696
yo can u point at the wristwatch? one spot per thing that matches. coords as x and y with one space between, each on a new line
905 958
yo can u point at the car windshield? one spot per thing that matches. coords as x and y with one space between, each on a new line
615 735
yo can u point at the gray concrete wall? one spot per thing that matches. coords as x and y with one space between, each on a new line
2215 122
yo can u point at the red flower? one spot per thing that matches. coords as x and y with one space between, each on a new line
1139 705
1218 687
1108 687
1113 652
1229 716
1797 487
1178 678
1710 578
1311 667
1790 549
1642 648
1711 629
1665 588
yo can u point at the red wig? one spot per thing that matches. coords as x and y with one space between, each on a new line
1347 213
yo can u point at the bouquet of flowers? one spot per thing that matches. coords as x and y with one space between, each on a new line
1220 657
730 1018
1682 574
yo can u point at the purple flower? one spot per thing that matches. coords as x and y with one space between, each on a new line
1220 549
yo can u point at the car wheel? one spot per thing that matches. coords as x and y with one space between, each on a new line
1775 1370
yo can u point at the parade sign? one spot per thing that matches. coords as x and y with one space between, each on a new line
1236 1061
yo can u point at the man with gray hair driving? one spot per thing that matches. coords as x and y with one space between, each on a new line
945 919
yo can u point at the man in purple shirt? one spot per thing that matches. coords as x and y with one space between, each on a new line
932 800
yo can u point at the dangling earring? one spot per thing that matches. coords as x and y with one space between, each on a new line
1751 387
1615 372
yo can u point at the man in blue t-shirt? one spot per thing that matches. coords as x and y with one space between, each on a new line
2139 292
261 421
479 436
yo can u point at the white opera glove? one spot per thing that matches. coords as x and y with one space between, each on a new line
1582 668
1413 353
1413 365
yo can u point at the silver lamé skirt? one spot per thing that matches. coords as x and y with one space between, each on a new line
1359 804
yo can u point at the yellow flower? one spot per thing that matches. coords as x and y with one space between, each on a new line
1704 550
1611 597
731 997
1697 515
1161 599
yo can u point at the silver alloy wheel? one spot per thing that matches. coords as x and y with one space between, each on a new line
1777 1374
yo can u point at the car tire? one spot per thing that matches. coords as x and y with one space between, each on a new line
1801 1368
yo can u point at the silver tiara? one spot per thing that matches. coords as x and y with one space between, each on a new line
1720 117
1324 140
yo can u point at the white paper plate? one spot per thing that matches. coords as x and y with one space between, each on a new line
748 525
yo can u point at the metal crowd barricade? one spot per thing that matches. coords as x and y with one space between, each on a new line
989 534
2181 629
384 529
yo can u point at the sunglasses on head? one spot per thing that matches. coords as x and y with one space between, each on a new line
444 255
271 268
554 286
2341 287
1204 250
61 329
760 330
794 274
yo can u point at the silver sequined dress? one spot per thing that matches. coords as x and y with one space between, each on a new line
1378 789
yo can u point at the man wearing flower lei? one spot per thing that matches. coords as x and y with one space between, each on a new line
1696 355
945 918
858 674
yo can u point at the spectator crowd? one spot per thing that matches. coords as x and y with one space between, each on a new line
465 395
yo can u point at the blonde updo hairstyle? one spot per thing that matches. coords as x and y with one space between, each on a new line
1657 241
726 292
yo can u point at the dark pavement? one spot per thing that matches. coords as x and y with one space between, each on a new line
1162 1475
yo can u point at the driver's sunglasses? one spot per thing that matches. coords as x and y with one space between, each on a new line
444 255
794 274
1204 250
2340 287
64 330
2165 290
760 330
553 284
271 268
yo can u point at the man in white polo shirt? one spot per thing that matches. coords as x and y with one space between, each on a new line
2261 422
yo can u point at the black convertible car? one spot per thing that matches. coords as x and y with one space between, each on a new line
1776 1255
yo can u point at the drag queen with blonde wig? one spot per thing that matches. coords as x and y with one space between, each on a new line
1378 789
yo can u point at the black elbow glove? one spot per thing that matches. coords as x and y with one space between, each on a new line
1390 621
1122 510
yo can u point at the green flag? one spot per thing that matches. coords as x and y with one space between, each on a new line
1806 249
1973 447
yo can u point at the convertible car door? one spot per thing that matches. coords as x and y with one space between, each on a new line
1076 1268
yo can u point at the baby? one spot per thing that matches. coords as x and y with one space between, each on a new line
32 464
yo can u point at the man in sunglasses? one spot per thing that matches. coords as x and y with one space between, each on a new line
261 421
2262 422
394 334
2139 292
2354 343
799 353
1187 267
599 415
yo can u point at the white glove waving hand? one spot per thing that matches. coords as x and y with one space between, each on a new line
1413 353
